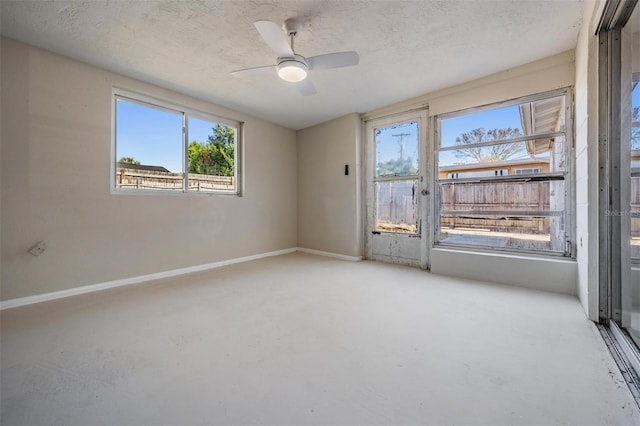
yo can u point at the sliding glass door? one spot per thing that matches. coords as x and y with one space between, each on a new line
619 180
630 125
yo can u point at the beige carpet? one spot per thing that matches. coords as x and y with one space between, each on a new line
300 339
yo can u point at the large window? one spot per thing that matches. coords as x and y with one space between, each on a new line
503 176
160 147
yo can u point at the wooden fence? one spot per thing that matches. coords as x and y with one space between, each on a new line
396 206
498 196
155 180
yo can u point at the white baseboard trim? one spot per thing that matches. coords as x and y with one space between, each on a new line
329 254
22 301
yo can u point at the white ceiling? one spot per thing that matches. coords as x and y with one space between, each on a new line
406 48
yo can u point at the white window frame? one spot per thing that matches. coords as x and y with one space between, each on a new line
186 112
568 176
528 171
398 120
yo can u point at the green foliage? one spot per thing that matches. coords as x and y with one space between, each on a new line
487 154
216 156
129 160
397 167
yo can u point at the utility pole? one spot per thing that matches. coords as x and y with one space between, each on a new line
400 142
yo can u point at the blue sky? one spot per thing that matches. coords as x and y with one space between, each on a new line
387 142
492 119
451 128
153 136
389 139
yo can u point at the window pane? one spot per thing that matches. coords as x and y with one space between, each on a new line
635 171
635 118
518 227
148 147
212 149
508 196
547 155
527 118
530 171
635 236
501 231
397 150
397 206
483 126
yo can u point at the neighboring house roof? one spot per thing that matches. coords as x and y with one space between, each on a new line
142 167
495 164
541 116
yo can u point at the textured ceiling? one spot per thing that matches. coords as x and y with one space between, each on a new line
406 48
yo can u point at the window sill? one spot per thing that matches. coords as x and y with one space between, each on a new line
503 252
169 193
507 254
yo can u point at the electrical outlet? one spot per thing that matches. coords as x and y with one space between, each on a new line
38 248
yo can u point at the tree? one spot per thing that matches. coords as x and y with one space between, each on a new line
216 156
129 160
397 166
486 154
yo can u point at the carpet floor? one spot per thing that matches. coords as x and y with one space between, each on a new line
302 339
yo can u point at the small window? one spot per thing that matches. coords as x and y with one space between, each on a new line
163 148
530 171
492 190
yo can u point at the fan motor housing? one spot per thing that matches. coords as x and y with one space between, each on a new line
292 69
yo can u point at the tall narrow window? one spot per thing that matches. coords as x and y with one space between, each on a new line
396 178
503 176
635 168
161 147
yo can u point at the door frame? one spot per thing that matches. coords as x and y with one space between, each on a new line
425 227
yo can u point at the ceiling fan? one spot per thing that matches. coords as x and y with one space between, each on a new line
290 66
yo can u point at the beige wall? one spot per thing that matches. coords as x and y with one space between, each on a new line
328 201
553 72
55 163
56 136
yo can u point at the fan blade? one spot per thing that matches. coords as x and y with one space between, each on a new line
257 71
306 87
333 60
274 36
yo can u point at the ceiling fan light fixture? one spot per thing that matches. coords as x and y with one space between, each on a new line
292 70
